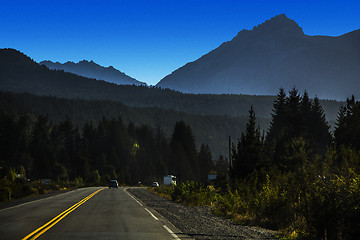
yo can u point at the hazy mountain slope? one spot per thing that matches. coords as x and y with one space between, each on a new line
93 70
18 73
275 54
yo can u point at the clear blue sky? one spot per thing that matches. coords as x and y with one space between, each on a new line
149 39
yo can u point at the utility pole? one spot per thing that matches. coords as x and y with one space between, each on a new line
230 153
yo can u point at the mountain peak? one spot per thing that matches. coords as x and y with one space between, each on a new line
84 61
279 24
90 69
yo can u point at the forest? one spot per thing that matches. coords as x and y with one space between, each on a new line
213 130
299 178
64 124
33 148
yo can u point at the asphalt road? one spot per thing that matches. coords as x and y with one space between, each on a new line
85 214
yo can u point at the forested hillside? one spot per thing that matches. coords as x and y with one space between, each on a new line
212 130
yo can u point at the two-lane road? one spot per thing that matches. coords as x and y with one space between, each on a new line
83 214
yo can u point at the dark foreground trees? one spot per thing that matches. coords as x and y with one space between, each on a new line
248 154
305 182
109 150
296 116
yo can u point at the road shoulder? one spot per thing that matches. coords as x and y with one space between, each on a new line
198 222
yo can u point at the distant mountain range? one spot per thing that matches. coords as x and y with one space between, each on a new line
275 54
19 74
93 70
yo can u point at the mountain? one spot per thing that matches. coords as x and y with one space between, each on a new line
275 54
19 74
93 70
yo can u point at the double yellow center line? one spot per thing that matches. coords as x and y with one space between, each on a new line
35 234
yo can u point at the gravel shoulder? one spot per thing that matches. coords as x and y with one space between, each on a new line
199 222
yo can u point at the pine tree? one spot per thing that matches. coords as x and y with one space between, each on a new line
205 161
318 128
278 121
300 118
184 162
65 146
347 130
41 150
249 149
305 108
295 124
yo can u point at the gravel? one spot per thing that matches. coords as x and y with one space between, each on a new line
199 222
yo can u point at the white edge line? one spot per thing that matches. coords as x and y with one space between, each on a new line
171 232
132 197
164 226
37 200
151 214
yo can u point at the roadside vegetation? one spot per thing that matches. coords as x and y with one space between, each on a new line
299 179
15 186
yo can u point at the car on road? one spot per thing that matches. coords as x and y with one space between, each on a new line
113 183
155 184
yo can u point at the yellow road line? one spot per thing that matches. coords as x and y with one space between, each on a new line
35 234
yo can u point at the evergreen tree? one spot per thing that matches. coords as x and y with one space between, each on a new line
65 146
206 163
347 130
24 128
184 162
41 150
305 108
295 124
278 121
300 117
161 151
8 141
318 128
86 148
249 149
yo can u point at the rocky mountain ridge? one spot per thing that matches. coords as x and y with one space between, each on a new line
90 69
275 54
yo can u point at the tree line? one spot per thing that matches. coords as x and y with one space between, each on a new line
210 129
38 149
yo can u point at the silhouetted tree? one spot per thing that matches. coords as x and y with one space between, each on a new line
206 163
300 117
318 128
278 121
183 156
248 154
347 130
41 150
